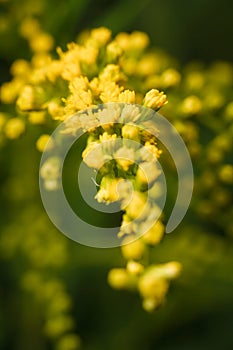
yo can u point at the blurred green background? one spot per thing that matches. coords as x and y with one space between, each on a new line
199 310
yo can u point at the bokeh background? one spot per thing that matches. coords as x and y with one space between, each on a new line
40 269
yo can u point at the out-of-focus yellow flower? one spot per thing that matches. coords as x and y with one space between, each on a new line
170 77
155 234
134 267
118 278
68 342
191 105
37 117
42 42
133 250
226 174
14 128
42 142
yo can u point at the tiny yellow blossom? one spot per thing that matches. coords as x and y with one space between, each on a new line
42 142
153 287
101 35
14 128
191 105
226 174
127 96
113 51
68 342
9 91
138 208
147 173
118 278
37 117
130 131
31 98
170 77
125 157
155 234
20 68
29 28
42 42
155 99
133 250
134 267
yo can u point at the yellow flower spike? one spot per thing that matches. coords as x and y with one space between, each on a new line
134 268
133 250
155 234
226 174
14 128
130 131
118 278
55 110
155 99
42 142
191 105
127 96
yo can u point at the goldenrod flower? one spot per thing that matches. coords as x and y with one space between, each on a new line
14 127
155 99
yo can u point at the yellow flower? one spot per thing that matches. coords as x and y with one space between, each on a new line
138 208
155 234
130 131
31 98
37 117
42 142
191 105
108 191
101 35
134 267
125 157
147 173
14 128
170 77
155 99
133 250
127 96
226 173
118 278
42 42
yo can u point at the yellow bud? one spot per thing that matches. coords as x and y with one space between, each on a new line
42 142
14 128
152 287
191 105
118 278
155 99
155 234
127 96
37 117
170 77
133 250
134 267
147 173
138 208
130 131
41 42
226 173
